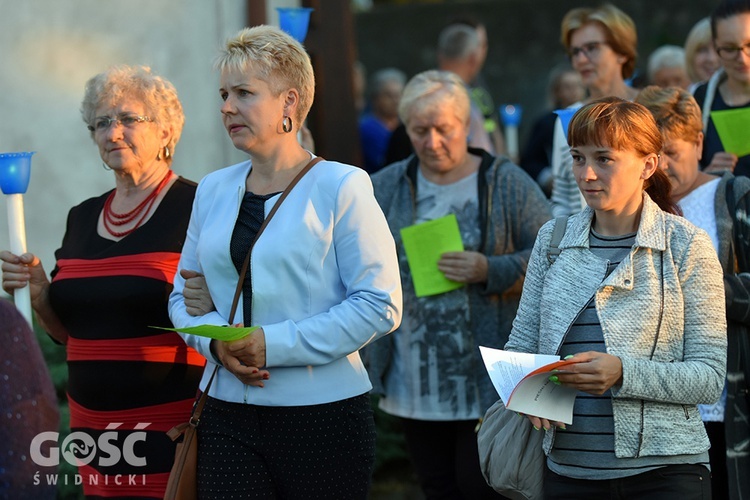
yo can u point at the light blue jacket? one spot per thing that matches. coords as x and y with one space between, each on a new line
325 282
662 313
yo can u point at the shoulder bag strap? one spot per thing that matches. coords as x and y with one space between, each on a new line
561 224
246 262
195 418
711 88
731 206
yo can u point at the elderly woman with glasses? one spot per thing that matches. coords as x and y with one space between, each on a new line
601 42
110 285
729 87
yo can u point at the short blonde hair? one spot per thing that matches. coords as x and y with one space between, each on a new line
619 30
432 85
281 60
677 114
158 95
698 38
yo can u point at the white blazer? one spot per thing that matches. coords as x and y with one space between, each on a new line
325 282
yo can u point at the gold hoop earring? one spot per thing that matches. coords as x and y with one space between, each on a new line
286 124
167 154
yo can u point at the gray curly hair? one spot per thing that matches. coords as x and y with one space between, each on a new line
158 95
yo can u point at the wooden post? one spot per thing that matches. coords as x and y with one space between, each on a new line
332 48
331 44
256 13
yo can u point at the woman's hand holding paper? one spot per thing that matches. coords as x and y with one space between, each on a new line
593 372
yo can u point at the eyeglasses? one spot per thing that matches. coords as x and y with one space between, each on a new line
590 50
102 123
731 53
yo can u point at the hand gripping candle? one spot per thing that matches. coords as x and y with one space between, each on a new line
15 171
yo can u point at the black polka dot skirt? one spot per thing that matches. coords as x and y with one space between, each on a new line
322 451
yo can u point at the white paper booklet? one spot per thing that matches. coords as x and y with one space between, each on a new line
522 381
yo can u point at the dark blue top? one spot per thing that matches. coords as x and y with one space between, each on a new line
711 142
373 137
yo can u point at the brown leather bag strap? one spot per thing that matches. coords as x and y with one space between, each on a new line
246 263
195 418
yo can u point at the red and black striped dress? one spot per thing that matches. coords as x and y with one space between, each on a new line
128 383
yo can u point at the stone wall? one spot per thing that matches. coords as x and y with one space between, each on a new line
49 49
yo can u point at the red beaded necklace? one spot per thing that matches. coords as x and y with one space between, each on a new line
112 218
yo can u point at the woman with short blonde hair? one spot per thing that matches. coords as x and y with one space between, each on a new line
701 60
288 414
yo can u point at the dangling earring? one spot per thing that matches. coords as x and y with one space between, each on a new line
287 127
158 155
105 167
167 154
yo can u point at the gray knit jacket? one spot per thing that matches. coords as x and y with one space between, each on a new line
512 208
662 313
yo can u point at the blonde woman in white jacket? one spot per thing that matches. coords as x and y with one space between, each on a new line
288 414
636 297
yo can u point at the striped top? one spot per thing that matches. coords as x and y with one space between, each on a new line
125 377
585 450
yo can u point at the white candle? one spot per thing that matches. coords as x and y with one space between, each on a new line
17 229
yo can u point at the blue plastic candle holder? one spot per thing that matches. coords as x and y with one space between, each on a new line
15 171
565 116
511 114
295 21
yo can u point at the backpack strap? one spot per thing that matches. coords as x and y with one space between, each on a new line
731 204
732 208
713 84
561 224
